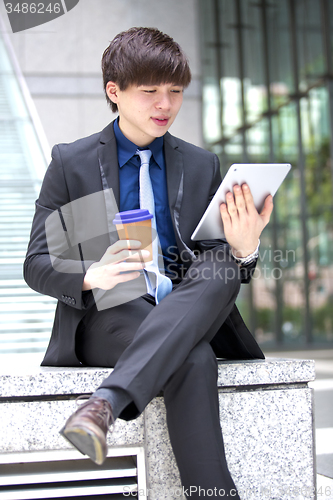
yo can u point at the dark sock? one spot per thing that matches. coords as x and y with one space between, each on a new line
117 398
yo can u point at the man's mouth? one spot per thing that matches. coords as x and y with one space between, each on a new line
161 121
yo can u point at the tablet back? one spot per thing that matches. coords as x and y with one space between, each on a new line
262 178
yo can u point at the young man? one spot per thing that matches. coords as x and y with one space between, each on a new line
170 346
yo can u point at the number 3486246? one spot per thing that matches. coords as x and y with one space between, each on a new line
33 8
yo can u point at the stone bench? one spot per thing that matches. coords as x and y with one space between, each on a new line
266 410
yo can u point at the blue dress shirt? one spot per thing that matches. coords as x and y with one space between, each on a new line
129 166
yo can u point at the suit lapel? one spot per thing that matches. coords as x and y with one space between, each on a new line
174 173
175 183
108 160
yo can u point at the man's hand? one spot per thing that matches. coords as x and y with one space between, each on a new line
242 223
121 262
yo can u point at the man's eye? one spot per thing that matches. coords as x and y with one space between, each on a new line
149 91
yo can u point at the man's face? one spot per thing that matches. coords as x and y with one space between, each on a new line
146 111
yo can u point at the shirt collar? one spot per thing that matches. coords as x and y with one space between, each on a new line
127 149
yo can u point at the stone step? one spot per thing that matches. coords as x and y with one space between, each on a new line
32 305
38 298
16 253
28 346
5 261
16 273
6 292
22 238
5 337
19 327
19 224
18 317
6 233
16 218
11 283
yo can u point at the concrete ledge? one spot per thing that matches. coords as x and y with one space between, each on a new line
266 413
37 381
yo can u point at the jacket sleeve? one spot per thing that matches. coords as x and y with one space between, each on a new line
52 265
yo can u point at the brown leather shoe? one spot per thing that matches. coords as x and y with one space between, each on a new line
86 429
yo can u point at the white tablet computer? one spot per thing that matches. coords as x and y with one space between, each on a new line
262 178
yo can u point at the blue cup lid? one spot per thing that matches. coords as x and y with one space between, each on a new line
132 216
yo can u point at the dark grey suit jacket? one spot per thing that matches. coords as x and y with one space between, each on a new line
193 176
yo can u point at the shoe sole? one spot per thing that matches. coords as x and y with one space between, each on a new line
86 442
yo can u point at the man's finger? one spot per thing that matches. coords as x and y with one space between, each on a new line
248 199
123 267
112 271
120 245
224 214
231 205
230 224
123 278
239 199
267 210
126 255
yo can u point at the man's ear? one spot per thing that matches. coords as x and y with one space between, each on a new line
111 90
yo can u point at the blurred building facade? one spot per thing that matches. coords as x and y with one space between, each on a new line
268 97
262 91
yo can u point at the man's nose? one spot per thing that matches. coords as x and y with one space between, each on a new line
164 101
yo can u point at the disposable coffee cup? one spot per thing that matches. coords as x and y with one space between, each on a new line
136 225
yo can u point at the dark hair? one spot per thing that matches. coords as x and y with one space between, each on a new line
144 56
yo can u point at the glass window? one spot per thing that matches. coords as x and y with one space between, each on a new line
267 81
